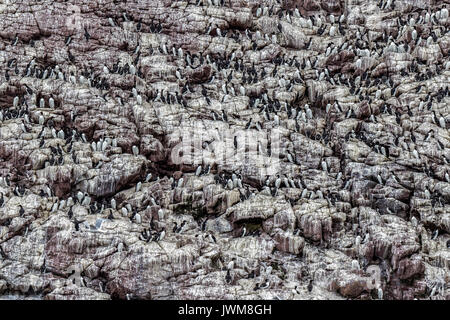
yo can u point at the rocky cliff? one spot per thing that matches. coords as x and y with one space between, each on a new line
224 149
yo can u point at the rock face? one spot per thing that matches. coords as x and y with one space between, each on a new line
224 149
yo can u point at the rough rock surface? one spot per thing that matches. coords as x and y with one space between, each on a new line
104 196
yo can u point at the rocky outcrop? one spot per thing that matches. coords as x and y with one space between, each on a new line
215 149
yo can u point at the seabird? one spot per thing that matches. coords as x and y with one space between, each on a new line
138 186
310 285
